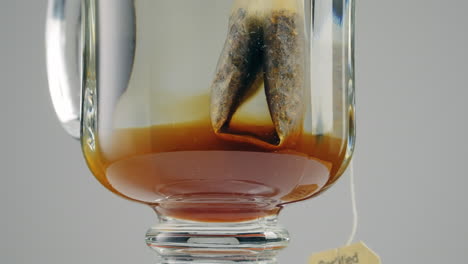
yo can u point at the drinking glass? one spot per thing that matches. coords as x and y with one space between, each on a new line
214 113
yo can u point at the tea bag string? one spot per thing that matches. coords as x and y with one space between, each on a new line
353 204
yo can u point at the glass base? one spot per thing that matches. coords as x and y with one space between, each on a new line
180 241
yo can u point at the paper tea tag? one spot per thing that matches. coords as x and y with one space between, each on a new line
357 253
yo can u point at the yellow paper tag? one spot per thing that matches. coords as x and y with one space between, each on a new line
357 253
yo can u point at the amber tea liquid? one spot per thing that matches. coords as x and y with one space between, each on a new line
189 172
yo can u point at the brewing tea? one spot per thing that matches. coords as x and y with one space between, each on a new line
194 174
213 113
217 159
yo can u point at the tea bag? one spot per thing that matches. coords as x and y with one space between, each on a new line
238 65
284 66
265 43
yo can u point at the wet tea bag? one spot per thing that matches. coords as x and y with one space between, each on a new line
284 66
265 44
239 63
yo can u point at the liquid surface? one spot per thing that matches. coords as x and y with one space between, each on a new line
192 173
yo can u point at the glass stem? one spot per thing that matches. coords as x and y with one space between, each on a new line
181 241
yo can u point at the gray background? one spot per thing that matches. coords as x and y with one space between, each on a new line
411 180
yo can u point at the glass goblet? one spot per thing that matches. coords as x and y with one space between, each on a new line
214 113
